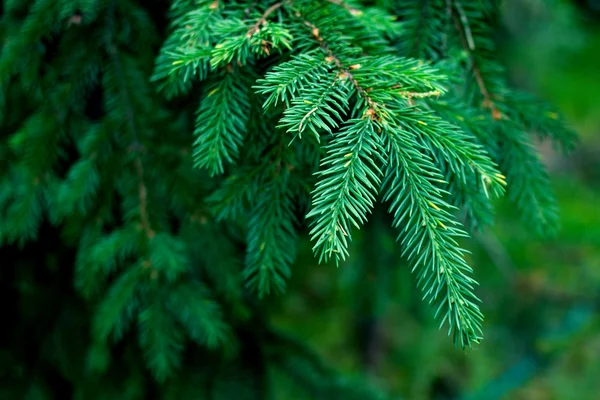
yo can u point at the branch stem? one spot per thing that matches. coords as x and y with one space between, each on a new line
340 3
256 27
344 72
136 147
487 98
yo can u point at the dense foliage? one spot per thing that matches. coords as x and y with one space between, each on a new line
181 153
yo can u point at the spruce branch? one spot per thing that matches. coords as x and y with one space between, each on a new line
423 17
464 32
459 148
344 72
143 197
136 146
271 238
351 10
428 236
221 122
530 188
201 316
116 311
320 107
286 80
346 189
263 19
160 337
422 33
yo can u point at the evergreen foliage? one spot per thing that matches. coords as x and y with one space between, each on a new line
182 168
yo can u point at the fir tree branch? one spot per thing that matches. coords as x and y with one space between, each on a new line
143 196
350 9
345 192
429 236
129 116
422 20
263 19
466 38
221 122
344 72
465 24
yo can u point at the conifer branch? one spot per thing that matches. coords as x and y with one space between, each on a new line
428 237
465 24
466 38
422 21
143 196
345 192
263 19
136 146
343 4
344 72
221 122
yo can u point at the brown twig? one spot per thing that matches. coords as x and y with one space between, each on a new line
421 95
256 27
351 10
344 72
143 198
135 147
465 24
487 98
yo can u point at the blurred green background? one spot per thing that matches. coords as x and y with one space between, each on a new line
540 298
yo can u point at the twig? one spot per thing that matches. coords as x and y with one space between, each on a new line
466 26
136 147
487 98
344 72
256 27
421 95
305 117
143 197
351 10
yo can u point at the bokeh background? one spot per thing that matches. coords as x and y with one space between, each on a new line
540 298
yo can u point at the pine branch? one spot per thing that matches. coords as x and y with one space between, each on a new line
160 337
351 10
429 236
530 188
320 107
221 123
116 311
129 119
345 191
263 19
271 238
201 316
